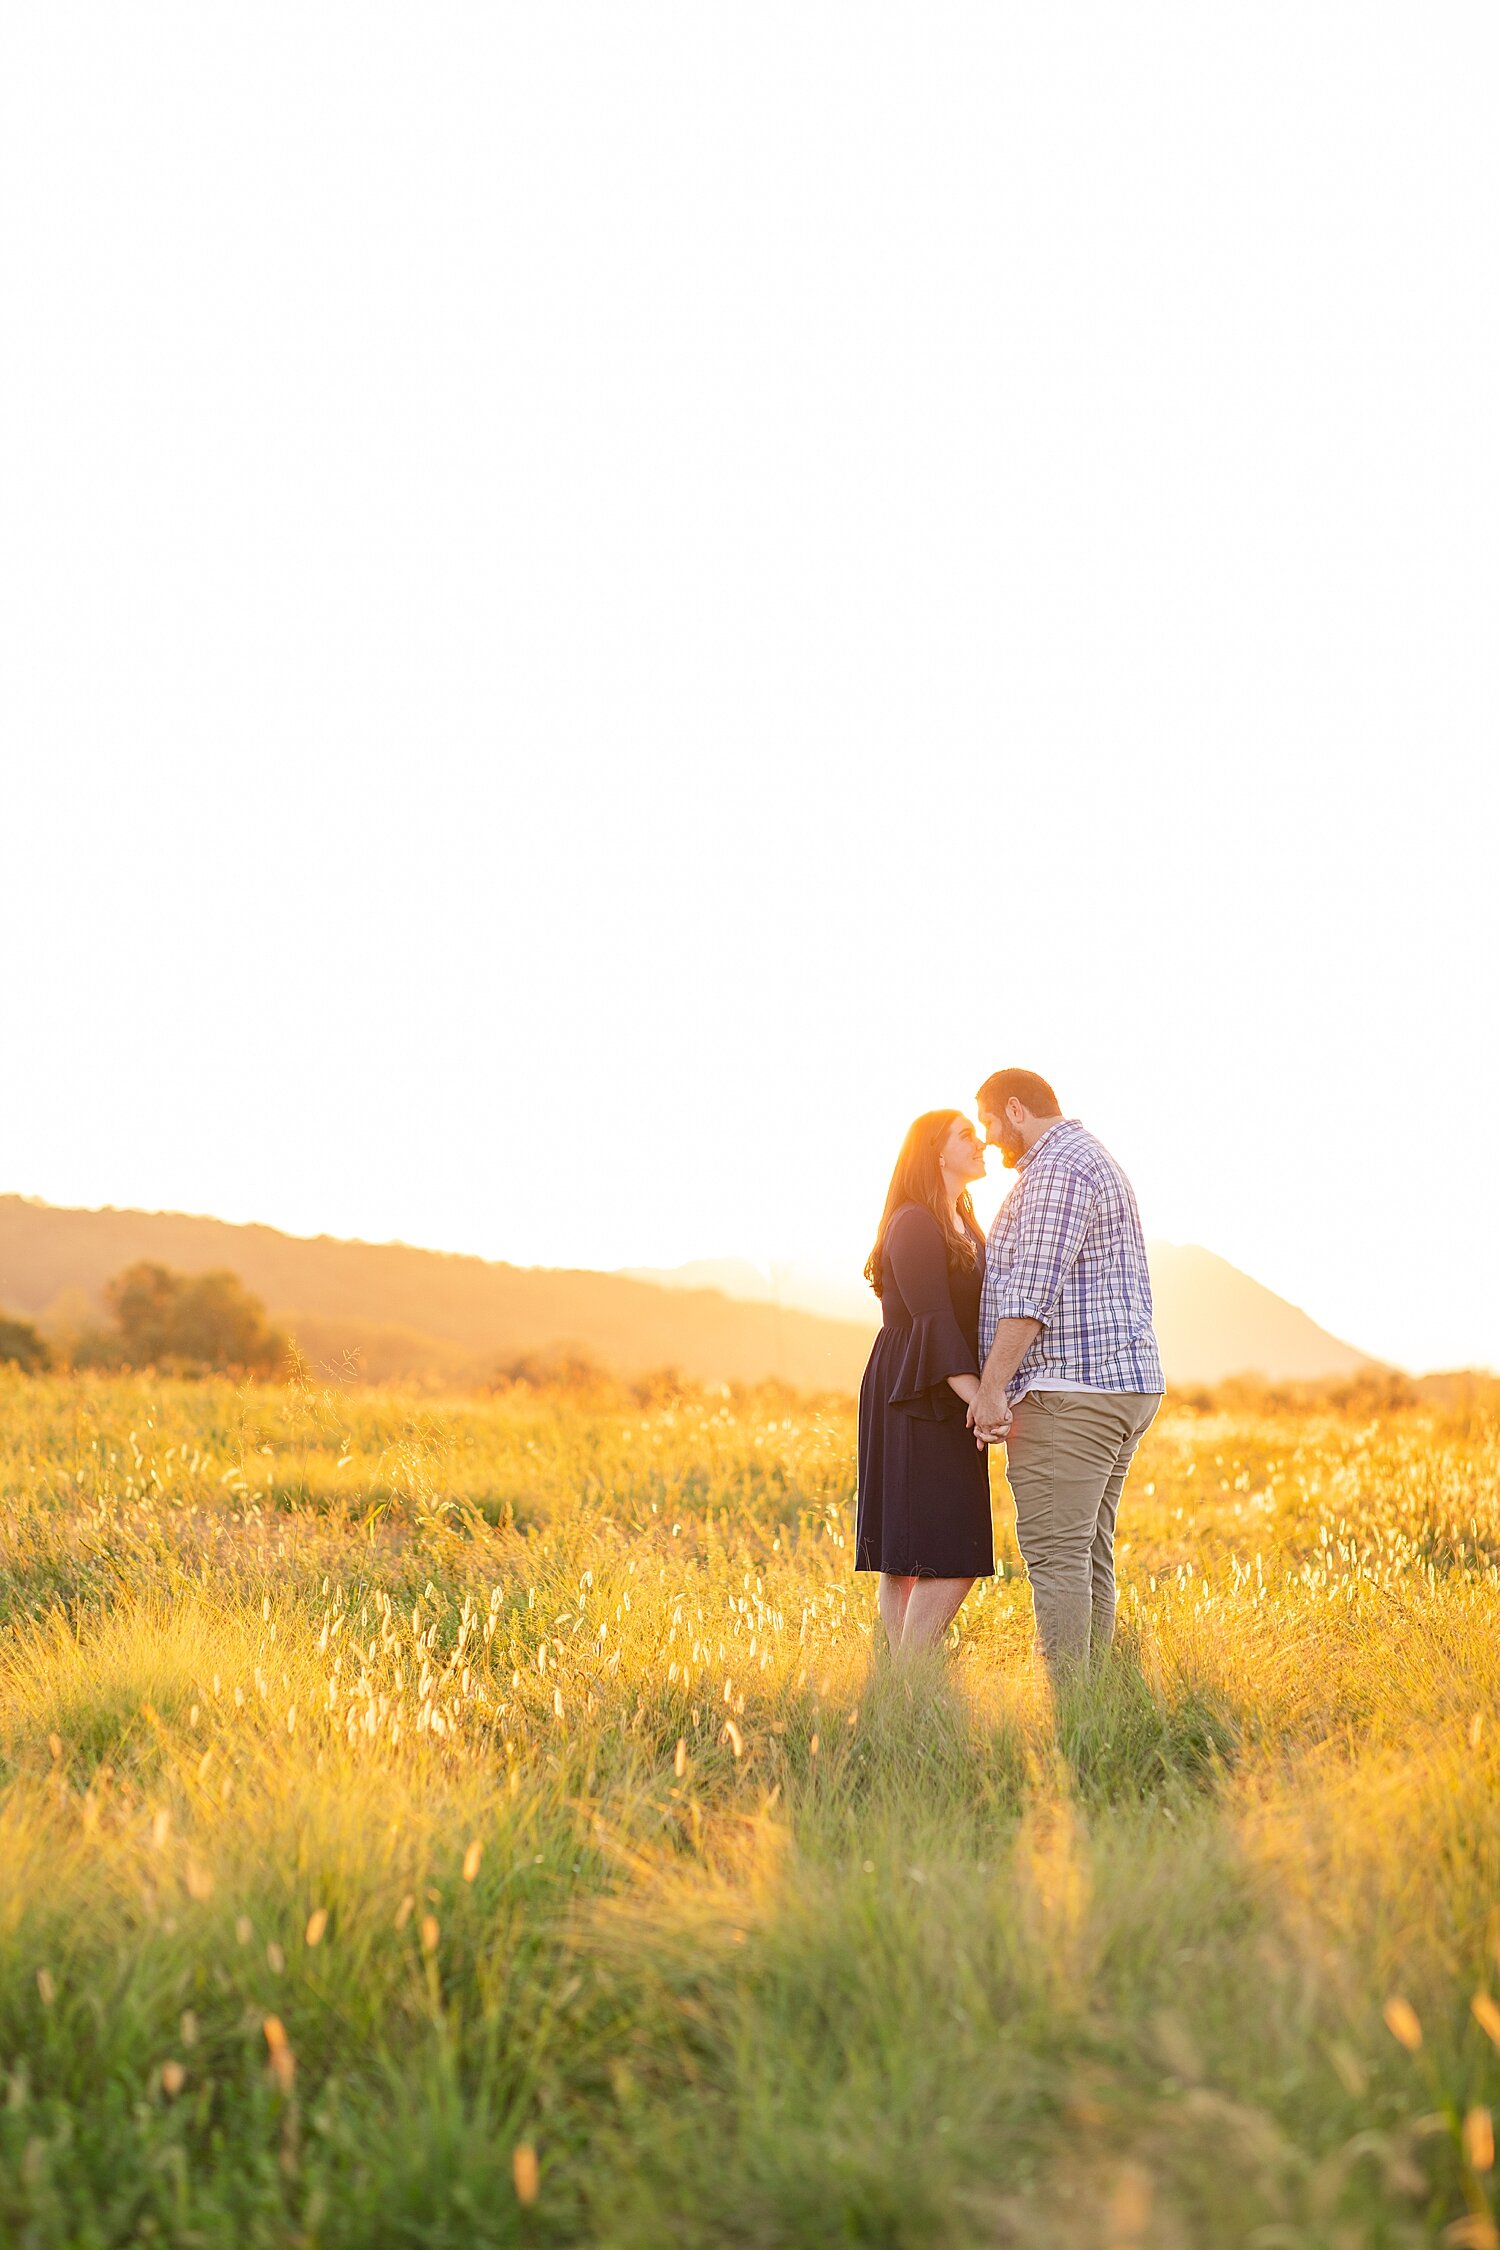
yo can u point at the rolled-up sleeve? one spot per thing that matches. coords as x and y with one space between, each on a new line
1052 1224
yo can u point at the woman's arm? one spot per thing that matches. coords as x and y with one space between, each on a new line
918 1265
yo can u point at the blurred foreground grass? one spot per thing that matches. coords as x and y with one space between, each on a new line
493 1822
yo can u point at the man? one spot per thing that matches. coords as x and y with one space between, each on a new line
1071 1376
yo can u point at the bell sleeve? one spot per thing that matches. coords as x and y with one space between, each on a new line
934 1347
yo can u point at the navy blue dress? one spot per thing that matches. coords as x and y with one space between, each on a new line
924 1485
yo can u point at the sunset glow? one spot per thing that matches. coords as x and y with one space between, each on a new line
610 607
600 629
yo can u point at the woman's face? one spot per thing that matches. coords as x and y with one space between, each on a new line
962 1154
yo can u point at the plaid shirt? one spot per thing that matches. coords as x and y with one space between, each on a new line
1066 1249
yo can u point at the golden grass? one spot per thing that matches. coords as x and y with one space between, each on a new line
493 1821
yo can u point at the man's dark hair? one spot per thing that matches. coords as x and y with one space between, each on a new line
1018 1085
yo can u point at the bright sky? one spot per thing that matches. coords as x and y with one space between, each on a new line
604 602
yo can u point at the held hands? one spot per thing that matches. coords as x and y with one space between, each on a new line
989 1416
989 1410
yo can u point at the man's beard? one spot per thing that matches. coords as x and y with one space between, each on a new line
1012 1149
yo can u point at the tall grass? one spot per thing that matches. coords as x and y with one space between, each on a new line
496 1822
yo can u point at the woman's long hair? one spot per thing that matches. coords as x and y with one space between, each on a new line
918 1178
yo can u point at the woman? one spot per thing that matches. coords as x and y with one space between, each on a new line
924 1486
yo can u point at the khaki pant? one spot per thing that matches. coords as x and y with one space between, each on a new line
1068 1456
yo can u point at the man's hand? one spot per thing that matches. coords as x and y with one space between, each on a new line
989 1417
989 1414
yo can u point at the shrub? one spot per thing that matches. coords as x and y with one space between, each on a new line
204 1320
23 1346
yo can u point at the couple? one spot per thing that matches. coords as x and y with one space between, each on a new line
1040 1337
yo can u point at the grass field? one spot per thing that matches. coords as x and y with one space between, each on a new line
492 1821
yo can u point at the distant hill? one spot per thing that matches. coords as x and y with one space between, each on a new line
1212 1320
802 1287
384 1310
392 1310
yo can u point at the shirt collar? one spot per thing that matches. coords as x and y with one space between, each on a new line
1041 1141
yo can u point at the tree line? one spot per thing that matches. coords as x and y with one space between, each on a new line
181 1323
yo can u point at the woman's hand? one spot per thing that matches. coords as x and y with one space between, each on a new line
986 1431
989 1415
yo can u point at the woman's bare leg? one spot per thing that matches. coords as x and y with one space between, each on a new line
893 1597
931 1607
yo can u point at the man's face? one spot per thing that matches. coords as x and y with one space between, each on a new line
1003 1135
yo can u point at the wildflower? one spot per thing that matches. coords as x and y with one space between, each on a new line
173 2079
1479 2140
472 1858
317 1923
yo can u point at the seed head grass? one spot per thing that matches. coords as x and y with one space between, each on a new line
497 1821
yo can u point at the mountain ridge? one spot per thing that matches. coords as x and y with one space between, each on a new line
1212 1319
384 1310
